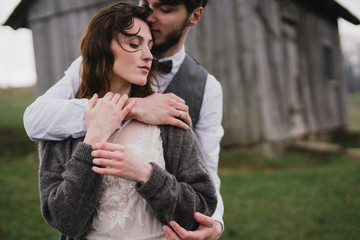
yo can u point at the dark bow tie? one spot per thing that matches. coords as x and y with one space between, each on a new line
165 67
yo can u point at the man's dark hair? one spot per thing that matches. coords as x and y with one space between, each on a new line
190 5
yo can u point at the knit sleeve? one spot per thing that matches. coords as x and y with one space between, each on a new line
69 189
185 187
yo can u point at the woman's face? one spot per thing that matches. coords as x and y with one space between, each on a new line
132 60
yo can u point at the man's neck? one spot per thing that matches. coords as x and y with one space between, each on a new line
171 52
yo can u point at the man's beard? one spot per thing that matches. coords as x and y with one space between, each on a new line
171 39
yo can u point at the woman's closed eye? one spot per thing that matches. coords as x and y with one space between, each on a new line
134 45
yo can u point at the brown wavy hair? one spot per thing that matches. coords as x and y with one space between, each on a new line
95 48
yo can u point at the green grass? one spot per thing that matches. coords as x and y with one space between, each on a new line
13 140
20 216
299 195
13 103
320 202
354 110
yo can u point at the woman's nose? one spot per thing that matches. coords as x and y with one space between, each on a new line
147 55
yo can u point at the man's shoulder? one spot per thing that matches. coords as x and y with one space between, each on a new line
213 80
193 62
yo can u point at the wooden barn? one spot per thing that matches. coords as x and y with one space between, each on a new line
279 61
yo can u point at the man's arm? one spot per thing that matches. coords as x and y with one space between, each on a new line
210 132
56 115
160 109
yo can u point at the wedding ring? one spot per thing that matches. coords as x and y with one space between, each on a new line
180 113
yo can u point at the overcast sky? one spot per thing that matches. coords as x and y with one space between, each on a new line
349 33
17 67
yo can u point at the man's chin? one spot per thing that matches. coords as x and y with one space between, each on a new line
163 47
158 49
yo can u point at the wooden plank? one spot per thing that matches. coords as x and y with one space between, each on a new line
48 8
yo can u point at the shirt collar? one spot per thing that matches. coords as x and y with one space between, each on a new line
177 59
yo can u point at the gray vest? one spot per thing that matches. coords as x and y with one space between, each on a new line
189 84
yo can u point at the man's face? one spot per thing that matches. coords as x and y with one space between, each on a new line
167 23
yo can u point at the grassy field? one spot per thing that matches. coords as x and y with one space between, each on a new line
300 195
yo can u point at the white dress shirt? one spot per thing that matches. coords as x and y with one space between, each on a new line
56 115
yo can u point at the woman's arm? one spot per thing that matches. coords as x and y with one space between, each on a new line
174 194
69 189
185 187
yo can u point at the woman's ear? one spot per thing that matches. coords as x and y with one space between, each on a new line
195 16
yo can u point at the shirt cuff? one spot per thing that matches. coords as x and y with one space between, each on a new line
217 216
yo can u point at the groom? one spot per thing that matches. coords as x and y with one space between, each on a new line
184 81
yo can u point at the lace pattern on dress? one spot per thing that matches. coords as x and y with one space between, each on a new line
120 205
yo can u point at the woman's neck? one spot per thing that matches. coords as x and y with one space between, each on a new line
120 87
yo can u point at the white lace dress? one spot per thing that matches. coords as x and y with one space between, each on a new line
122 213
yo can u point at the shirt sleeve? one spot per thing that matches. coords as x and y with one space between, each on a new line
209 131
57 115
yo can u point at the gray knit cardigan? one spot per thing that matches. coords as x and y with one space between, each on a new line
70 190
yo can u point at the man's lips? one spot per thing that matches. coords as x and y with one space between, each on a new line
155 31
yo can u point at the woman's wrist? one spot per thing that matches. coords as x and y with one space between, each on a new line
146 173
93 137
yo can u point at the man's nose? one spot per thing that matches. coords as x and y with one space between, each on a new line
151 18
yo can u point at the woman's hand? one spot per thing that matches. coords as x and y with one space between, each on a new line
103 118
119 161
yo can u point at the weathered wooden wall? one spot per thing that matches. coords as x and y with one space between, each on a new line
224 42
324 97
268 55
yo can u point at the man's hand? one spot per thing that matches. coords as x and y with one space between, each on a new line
209 229
161 109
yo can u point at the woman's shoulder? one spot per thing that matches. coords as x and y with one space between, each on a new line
131 131
173 133
59 147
